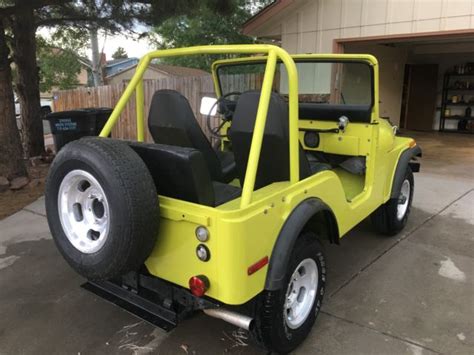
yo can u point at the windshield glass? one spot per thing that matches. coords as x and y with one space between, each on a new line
347 83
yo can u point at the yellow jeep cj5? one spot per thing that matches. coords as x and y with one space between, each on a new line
168 228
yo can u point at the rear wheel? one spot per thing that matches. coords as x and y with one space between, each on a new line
102 207
284 317
392 216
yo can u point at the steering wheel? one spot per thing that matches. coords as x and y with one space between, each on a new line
224 110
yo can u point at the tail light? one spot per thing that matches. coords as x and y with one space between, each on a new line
199 285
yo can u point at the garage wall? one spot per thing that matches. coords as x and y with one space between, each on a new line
311 26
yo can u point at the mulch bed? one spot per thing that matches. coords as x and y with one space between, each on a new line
13 201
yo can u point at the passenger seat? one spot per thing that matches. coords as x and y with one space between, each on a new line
171 121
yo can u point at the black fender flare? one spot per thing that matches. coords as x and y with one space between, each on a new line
288 235
403 163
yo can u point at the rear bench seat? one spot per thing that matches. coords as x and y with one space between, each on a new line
182 173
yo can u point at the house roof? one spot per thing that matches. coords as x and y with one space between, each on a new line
113 62
175 70
85 62
265 14
171 70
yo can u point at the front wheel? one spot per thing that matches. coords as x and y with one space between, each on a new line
284 317
392 216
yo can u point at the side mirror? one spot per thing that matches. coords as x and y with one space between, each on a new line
208 103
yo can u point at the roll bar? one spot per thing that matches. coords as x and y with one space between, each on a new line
274 54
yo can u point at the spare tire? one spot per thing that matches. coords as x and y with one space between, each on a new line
102 207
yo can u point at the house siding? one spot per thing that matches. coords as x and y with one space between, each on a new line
312 26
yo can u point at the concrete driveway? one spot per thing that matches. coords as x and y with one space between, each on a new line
409 294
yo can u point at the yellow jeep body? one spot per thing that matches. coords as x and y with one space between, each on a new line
244 231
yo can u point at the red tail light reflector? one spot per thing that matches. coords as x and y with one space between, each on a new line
199 285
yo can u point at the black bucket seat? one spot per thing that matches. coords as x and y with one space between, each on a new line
274 162
172 122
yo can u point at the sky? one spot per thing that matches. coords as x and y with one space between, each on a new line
109 44
133 47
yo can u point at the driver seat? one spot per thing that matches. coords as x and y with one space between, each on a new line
274 161
171 121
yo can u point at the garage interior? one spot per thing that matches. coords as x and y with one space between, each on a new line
426 82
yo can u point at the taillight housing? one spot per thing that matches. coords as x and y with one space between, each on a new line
199 285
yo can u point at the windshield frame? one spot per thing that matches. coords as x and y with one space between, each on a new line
366 59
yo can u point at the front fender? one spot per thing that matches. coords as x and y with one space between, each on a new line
403 163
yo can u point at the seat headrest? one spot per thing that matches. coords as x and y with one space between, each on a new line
169 106
246 111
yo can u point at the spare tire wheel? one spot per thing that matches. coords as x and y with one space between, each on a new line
102 207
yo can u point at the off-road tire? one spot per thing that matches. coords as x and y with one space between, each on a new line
270 329
132 201
385 219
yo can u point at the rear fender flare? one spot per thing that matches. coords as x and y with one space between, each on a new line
292 228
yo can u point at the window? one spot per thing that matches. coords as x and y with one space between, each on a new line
340 83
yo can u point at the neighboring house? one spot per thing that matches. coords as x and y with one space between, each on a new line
115 66
85 76
154 71
108 67
416 42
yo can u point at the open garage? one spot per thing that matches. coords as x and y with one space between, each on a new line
426 81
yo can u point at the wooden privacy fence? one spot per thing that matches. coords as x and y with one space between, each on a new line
193 88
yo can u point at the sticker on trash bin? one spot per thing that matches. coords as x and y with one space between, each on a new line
65 124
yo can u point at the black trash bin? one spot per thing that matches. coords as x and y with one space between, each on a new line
67 126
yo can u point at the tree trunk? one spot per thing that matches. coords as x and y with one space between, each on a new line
96 58
11 154
24 48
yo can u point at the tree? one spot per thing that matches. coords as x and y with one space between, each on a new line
11 157
27 78
23 17
204 26
58 59
120 53
58 69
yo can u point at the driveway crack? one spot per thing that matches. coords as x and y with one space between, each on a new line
381 332
34 212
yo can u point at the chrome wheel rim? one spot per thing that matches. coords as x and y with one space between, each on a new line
83 211
403 199
301 293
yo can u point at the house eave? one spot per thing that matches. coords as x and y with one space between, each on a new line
267 13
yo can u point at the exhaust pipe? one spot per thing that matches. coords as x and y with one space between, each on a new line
239 320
